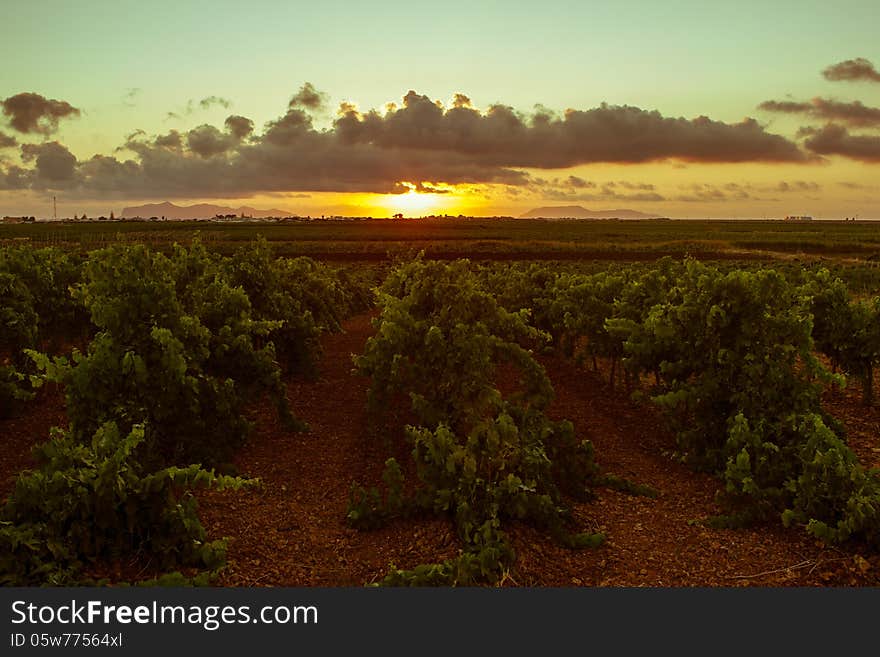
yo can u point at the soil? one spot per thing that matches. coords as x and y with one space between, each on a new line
20 433
292 531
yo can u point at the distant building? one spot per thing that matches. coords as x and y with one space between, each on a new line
798 217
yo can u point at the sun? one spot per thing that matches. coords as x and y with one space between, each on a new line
413 203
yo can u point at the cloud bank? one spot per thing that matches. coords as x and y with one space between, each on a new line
853 114
834 139
421 144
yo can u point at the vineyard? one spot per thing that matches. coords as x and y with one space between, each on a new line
193 415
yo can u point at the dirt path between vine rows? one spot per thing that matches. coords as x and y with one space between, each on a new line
655 542
292 531
20 433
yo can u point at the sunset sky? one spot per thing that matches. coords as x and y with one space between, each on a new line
681 109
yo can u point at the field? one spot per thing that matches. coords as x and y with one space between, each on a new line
486 238
621 474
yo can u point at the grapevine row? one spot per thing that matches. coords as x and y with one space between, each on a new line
481 457
180 345
731 359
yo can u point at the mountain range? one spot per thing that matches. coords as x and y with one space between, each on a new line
199 211
580 212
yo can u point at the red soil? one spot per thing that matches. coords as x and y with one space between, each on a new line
292 531
19 434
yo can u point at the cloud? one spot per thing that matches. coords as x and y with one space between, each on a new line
630 185
854 114
797 186
579 183
733 191
503 137
703 193
210 101
852 70
239 126
193 106
420 145
54 164
460 100
574 188
309 98
7 141
172 140
31 112
207 141
289 129
15 178
834 139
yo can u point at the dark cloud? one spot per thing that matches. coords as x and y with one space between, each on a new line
852 70
239 126
108 176
579 183
428 188
193 106
207 141
420 145
289 129
210 101
172 140
309 98
31 112
7 141
203 141
853 114
503 137
15 178
54 164
787 106
834 139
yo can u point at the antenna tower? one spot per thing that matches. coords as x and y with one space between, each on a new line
54 208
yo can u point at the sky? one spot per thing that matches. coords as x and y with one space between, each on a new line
680 109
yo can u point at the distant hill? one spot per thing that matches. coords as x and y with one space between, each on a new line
580 212
200 211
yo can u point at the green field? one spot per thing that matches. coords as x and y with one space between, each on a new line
487 238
